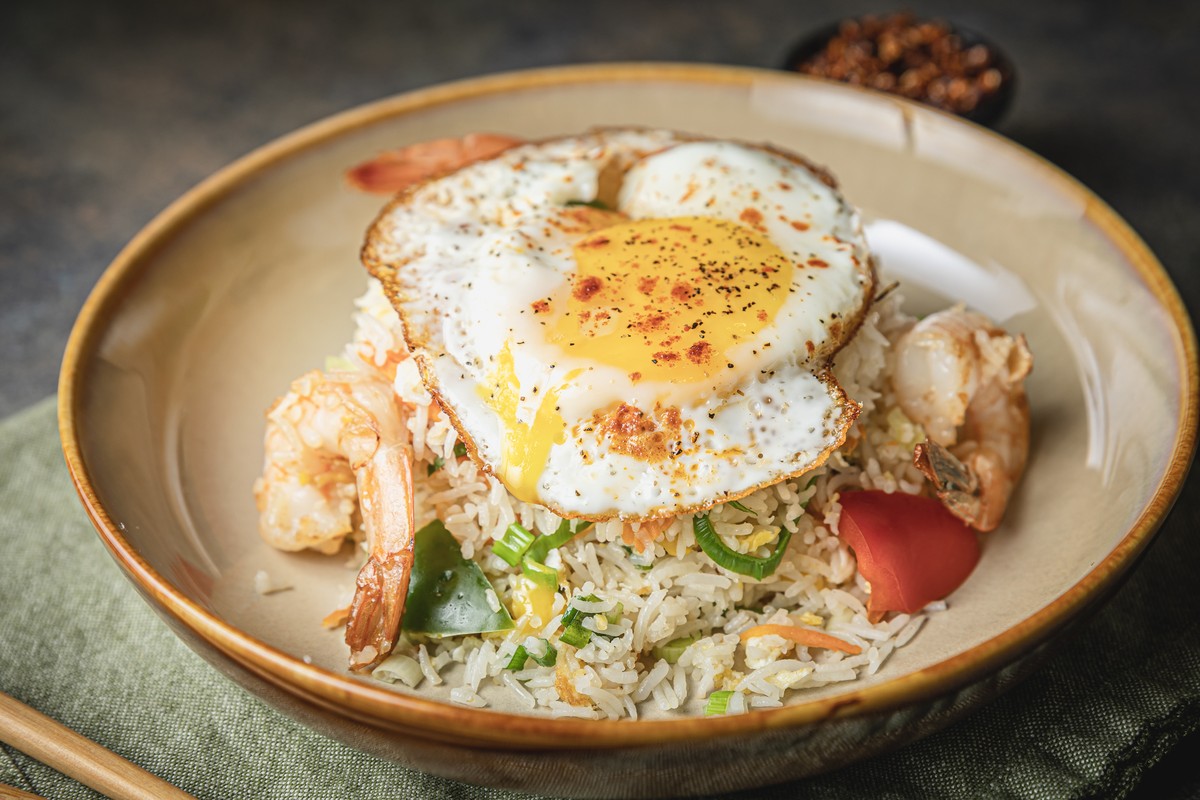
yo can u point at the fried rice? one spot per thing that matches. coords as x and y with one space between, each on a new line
669 616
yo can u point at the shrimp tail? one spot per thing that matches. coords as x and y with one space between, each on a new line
380 591
974 489
377 609
396 170
953 482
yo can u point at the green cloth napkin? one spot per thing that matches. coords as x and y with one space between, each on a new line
79 644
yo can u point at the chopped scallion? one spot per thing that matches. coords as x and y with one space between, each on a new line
542 545
636 559
533 563
717 703
573 619
513 544
672 650
550 658
437 464
732 560
570 615
574 612
460 449
539 573
518 658
739 506
575 634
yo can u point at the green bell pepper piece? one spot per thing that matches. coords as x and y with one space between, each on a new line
447 594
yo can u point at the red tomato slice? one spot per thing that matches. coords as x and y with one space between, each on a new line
911 549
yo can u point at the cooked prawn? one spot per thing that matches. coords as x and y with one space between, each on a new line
961 378
394 170
336 443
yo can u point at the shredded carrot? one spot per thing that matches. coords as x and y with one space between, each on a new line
336 619
649 531
803 636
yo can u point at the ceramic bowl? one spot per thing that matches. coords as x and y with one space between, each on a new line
248 281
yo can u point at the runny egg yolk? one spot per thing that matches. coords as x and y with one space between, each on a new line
526 446
663 300
667 300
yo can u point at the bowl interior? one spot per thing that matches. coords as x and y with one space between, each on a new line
251 282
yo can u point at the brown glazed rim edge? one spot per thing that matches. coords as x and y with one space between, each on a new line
416 716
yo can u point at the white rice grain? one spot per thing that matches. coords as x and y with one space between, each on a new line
427 669
905 635
520 692
465 696
651 680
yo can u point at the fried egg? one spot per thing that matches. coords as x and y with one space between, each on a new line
632 323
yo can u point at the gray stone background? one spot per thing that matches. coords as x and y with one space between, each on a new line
108 111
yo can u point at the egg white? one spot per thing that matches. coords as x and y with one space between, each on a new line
465 259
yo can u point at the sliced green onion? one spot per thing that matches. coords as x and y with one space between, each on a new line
574 612
513 544
573 618
739 506
600 204
550 658
437 464
633 559
544 544
539 573
672 650
732 560
717 703
533 562
460 449
518 658
576 635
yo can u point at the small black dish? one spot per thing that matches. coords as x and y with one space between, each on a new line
991 104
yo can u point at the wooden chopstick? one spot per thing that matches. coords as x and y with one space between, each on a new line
57 746
13 793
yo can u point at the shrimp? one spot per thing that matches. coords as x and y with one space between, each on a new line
395 170
335 444
962 379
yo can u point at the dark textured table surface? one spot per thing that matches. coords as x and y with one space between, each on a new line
110 111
